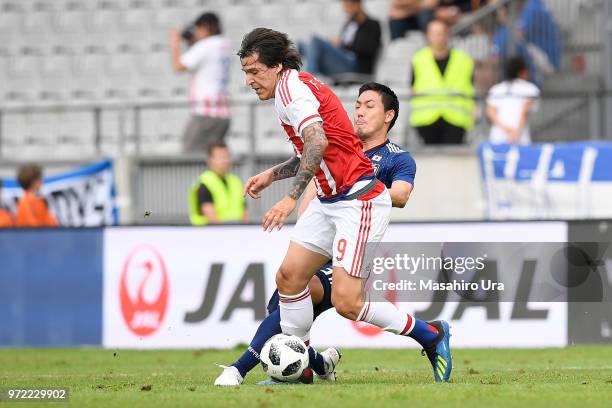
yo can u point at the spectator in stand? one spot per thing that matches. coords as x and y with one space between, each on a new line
6 218
448 11
355 51
509 104
536 38
403 17
32 209
442 90
208 61
218 196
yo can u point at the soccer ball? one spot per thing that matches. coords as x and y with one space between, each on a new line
284 357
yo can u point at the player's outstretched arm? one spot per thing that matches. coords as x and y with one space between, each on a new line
257 183
286 169
315 143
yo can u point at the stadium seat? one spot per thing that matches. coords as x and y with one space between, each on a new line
24 71
378 10
240 132
162 130
88 82
268 16
137 16
57 71
114 132
38 21
394 66
172 15
240 17
270 137
121 72
30 135
75 134
71 18
157 78
105 18
11 19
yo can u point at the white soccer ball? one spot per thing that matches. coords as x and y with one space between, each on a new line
284 357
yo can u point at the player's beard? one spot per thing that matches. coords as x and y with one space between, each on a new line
362 136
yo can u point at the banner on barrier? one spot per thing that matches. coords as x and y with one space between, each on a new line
547 181
51 287
84 197
191 287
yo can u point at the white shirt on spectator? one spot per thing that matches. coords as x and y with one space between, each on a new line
508 99
208 62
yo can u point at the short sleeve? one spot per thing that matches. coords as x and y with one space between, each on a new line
534 91
493 96
204 195
195 55
404 168
301 106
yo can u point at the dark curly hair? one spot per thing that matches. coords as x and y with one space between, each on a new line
273 48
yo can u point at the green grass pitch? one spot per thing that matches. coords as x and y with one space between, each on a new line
570 377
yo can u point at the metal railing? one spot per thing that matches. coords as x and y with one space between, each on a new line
254 126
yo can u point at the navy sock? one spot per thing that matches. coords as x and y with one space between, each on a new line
423 333
268 328
316 361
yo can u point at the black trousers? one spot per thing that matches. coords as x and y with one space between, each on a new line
441 132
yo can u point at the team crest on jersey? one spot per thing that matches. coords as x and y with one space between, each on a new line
376 157
375 167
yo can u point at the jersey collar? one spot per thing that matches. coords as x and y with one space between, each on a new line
386 142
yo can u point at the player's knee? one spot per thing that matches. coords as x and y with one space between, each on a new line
287 283
347 305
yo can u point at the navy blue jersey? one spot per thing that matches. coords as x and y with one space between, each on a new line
391 163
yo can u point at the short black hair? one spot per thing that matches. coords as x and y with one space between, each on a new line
273 47
211 21
389 98
514 66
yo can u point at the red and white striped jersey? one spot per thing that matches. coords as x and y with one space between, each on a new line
300 100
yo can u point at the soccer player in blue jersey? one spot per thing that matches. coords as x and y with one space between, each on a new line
376 111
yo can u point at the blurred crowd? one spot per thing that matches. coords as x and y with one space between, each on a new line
444 80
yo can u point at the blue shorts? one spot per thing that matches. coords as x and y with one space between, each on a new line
325 276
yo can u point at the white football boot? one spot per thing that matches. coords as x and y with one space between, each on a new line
331 356
230 377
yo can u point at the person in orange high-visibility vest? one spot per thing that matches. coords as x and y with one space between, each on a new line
32 210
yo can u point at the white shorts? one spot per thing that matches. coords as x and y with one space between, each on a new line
342 229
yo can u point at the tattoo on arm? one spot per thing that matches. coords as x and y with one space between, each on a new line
286 169
315 143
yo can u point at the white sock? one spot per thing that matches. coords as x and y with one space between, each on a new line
296 314
386 316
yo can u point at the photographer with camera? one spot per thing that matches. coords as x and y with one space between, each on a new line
207 60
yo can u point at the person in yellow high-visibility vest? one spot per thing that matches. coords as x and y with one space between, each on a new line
217 196
442 91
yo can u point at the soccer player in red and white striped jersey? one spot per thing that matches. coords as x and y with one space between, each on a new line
352 208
